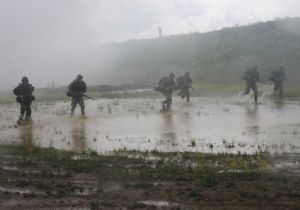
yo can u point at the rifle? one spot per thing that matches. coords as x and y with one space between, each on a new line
71 94
20 98
261 81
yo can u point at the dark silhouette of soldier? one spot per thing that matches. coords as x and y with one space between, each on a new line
277 77
166 86
76 90
251 76
24 97
184 83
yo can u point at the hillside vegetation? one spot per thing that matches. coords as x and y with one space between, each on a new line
213 57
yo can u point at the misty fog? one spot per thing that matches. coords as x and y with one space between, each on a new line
51 41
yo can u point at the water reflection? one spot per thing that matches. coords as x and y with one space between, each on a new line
279 104
252 120
78 133
168 132
26 134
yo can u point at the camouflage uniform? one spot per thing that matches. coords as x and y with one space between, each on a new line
277 77
166 86
251 76
76 89
24 97
184 83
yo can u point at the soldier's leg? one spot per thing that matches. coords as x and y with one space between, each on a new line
247 90
81 104
280 90
182 93
165 102
169 101
28 109
187 95
254 88
73 105
22 110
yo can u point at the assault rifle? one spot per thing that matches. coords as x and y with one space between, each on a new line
71 94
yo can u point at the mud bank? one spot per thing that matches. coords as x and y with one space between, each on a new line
35 178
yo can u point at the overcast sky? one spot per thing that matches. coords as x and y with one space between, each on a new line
33 27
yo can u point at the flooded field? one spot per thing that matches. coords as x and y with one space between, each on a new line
210 125
248 155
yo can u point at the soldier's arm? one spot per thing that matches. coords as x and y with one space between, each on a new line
17 91
70 86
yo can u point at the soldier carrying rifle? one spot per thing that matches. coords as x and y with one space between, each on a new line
76 90
251 76
277 77
24 97
166 86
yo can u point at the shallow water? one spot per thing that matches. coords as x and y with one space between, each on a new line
214 125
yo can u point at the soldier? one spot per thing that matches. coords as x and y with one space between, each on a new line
184 83
24 97
277 77
76 90
166 85
251 76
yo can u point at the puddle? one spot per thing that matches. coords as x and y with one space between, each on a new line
20 191
111 187
214 125
158 203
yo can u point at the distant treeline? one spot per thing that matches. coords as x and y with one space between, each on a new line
215 57
99 88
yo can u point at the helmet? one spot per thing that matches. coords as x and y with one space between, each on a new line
187 73
79 77
172 75
24 79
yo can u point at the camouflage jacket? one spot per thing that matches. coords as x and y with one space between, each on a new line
24 90
277 76
77 86
251 76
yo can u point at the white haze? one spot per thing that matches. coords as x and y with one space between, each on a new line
38 37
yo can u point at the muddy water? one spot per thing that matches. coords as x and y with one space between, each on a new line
213 125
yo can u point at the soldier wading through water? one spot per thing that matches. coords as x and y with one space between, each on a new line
251 76
184 83
277 77
76 90
24 97
166 86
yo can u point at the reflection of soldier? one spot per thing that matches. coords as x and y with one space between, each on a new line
76 90
184 83
26 135
79 135
166 85
24 97
251 76
277 77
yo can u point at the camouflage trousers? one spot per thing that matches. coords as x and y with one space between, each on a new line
249 86
168 101
184 93
75 101
25 107
278 87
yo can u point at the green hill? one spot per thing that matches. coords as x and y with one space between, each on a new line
213 57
